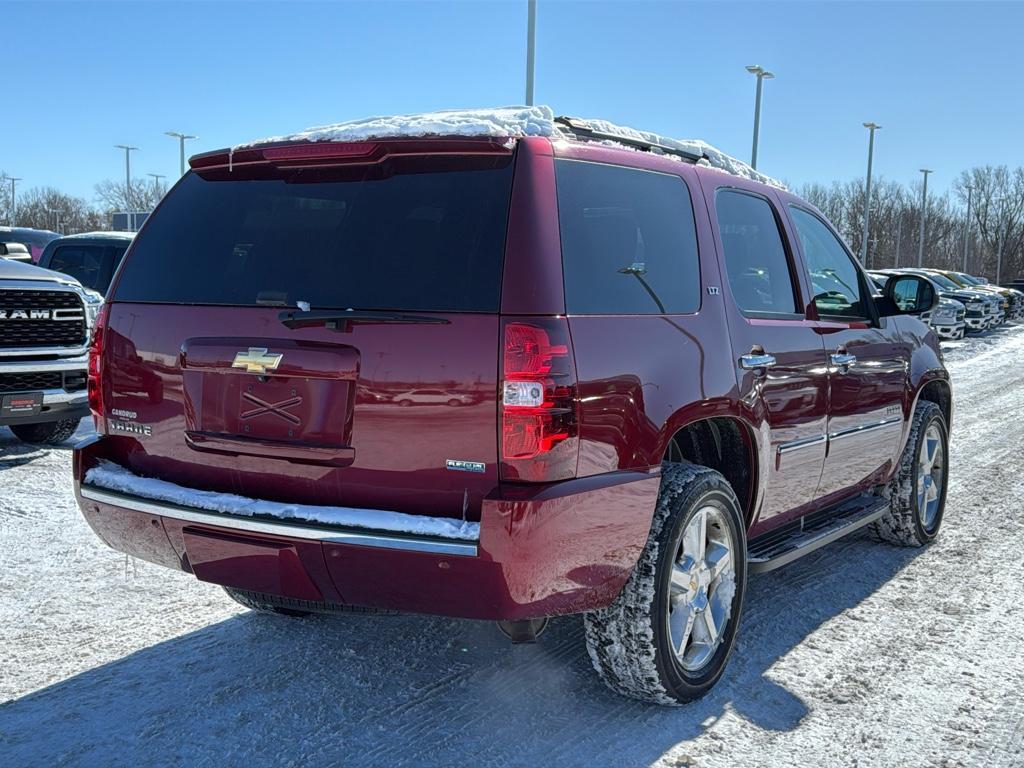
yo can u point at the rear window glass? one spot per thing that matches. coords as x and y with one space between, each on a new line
629 244
91 265
755 258
419 236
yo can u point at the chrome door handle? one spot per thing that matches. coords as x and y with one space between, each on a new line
752 362
843 360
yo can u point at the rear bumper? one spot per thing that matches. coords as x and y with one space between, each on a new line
542 551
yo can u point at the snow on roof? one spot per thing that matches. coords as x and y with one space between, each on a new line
103 233
512 122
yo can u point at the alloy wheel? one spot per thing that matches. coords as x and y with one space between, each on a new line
930 462
703 583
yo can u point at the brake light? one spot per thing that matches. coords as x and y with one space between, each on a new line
539 434
96 368
310 150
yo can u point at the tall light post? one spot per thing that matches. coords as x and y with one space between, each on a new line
182 138
899 236
924 215
127 172
967 229
531 47
156 179
762 75
872 127
13 207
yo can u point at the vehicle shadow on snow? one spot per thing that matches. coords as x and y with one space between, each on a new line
15 453
393 690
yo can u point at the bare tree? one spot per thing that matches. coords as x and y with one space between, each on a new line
49 208
141 196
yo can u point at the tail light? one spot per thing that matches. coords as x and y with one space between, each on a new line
539 431
96 368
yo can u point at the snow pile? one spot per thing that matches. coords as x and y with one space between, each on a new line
500 122
116 478
710 156
512 122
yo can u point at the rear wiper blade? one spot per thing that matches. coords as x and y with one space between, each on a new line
342 320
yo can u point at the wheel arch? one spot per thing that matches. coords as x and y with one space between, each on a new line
936 388
728 445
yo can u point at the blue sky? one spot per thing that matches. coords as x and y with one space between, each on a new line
939 77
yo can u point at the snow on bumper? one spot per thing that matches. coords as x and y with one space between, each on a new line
540 551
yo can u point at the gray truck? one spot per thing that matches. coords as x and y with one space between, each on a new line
45 319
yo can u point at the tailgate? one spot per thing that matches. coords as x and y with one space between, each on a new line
372 418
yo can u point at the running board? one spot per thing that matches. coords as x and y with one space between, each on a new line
793 540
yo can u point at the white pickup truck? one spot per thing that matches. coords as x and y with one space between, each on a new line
45 318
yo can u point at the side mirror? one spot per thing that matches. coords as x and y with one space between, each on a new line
15 252
907 295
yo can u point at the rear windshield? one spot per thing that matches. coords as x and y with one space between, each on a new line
91 265
418 236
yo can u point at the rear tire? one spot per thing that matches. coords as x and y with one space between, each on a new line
667 637
917 492
49 433
287 606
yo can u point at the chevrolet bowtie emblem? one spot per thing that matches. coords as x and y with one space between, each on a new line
256 360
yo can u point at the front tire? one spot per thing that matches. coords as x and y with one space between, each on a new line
49 433
917 492
667 637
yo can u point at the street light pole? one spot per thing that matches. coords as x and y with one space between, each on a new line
531 46
156 179
872 127
967 229
762 75
924 215
182 138
127 172
11 179
899 236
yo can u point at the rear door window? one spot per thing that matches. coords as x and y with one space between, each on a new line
629 243
755 258
402 235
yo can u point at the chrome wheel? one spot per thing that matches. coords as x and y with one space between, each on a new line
703 582
930 462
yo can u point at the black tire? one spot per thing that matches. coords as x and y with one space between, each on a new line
50 433
904 523
405 403
287 606
629 641
454 403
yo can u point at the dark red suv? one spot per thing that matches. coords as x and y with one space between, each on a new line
648 378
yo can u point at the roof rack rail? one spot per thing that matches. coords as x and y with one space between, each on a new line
582 129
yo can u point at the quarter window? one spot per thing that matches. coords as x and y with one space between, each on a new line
629 243
835 280
755 259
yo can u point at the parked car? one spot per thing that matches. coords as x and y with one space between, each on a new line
33 239
689 380
982 309
91 257
1002 295
948 319
44 324
432 397
1015 298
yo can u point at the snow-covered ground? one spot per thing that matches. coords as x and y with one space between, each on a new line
861 654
